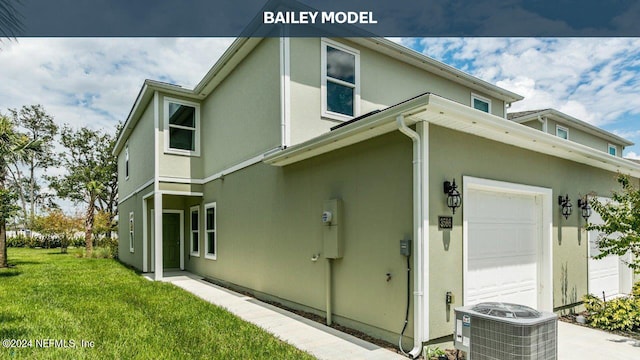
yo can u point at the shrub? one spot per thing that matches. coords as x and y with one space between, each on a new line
42 241
618 314
16 241
110 244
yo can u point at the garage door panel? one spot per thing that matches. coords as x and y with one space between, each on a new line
501 242
604 274
503 245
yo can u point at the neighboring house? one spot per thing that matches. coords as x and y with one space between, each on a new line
294 169
564 126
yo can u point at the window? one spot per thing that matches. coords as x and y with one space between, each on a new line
613 150
131 234
562 132
195 231
340 81
480 103
182 123
210 243
126 162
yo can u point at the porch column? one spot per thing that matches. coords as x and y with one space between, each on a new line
157 204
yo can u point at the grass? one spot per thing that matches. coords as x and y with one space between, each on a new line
48 295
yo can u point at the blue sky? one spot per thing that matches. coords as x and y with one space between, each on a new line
94 82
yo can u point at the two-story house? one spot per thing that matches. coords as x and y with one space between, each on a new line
297 167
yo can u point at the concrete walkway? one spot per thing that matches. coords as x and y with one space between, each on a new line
574 342
581 343
320 341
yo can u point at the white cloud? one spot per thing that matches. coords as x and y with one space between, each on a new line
632 155
595 80
94 82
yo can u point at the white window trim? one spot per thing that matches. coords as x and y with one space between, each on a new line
169 150
132 234
213 256
615 149
558 127
127 164
324 42
191 211
483 99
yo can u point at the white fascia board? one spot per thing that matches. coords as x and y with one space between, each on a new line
446 113
132 119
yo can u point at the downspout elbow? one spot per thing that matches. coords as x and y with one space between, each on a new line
543 122
406 130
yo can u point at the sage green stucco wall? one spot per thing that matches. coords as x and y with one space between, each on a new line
384 82
133 204
242 116
140 144
269 227
454 155
239 120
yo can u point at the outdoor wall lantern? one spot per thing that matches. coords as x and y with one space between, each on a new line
585 208
566 205
453 196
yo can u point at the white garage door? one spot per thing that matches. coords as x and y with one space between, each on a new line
504 239
607 275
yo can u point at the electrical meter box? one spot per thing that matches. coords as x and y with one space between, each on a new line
331 229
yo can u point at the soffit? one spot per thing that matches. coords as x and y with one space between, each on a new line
449 114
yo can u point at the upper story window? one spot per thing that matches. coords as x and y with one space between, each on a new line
340 81
126 162
181 127
480 103
562 132
613 150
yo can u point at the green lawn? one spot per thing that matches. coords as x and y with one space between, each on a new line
48 295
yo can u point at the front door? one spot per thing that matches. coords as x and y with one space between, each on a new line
170 240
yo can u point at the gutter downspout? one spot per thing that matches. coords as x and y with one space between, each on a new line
328 292
418 292
285 90
544 123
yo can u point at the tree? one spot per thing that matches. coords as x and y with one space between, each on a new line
36 124
12 146
108 198
620 231
88 174
56 223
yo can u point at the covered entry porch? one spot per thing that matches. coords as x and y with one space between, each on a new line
168 237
